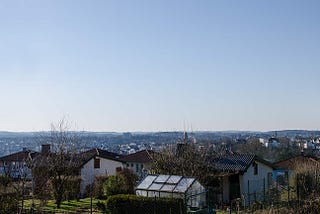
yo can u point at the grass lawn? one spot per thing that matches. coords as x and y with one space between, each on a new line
72 206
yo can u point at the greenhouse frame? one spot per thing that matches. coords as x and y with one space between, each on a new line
173 186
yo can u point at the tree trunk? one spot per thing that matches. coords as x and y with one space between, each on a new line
59 196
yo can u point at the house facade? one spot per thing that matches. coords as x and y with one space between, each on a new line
98 162
139 163
244 176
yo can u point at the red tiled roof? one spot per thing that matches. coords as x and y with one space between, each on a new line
143 156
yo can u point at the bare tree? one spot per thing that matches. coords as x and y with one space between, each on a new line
186 160
59 164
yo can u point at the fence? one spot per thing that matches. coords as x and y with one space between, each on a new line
254 195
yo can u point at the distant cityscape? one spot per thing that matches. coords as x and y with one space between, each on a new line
131 142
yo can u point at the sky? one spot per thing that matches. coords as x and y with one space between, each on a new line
160 65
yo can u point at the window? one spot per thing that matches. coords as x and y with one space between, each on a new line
132 165
96 163
269 179
127 165
137 167
255 165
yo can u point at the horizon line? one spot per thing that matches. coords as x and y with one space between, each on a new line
162 131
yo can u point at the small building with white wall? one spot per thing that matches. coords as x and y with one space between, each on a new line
98 162
247 177
139 163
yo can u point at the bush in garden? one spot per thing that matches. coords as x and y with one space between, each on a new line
132 204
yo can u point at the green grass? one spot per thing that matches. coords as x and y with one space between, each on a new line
72 206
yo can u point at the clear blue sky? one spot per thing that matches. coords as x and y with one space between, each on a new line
160 65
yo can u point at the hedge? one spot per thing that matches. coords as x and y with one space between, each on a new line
8 203
132 204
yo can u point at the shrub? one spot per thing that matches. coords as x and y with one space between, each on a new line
114 185
101 206
96 189
98 186
8 203
306 180
121 183
131 204
310 207
72 188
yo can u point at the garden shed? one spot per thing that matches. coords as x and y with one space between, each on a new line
173 186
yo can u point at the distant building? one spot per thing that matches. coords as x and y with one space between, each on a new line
284 169
16 165
243 176
263 141
139 163
273 143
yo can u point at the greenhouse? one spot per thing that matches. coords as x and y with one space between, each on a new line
174 186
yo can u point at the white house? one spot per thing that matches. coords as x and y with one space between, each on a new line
173 186
246 176
273 143
139 163
98 162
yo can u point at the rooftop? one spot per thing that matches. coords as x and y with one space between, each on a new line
95 152
237 162
143 156
19 156
290 163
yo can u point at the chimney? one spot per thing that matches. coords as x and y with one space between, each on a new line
45 149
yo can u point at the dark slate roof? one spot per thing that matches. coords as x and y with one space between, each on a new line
19 156
88 155
144 156
234 162
237 162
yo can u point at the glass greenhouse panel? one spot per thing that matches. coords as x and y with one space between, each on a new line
146 182
184 184
141 193
168 187
166 194
174 179
162 178
155 186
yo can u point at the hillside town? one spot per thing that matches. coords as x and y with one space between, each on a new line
159 107
207 176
